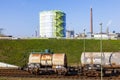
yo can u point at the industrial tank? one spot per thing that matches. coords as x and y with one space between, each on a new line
47 62
108 58
59 60
115 59
34 58
46 59
91 58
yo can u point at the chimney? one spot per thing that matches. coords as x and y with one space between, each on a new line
91 22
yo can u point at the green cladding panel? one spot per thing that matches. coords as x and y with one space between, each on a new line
59 24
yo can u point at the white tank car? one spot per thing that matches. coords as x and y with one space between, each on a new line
108 58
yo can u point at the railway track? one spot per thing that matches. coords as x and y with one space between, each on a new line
14 73
25 74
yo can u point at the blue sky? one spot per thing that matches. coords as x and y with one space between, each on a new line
20 18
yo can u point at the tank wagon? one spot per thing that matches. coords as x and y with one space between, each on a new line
95 62
47 62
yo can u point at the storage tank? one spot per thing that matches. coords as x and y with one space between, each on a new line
91 58
46 59
34 58
59 60
108 58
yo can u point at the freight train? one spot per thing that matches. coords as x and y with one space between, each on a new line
92 64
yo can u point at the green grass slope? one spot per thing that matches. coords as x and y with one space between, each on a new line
17 51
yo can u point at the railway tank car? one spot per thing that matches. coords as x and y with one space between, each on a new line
47 62
91 63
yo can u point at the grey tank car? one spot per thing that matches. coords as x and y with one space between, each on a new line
95 62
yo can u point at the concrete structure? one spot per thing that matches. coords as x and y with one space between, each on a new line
5 65
52 24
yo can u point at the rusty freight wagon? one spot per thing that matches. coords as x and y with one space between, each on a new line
47 62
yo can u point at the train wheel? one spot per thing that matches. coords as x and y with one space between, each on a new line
35 71
30 71
61 73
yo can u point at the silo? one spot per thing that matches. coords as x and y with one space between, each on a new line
52 24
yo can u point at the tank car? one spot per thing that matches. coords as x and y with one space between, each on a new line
47 63
95 62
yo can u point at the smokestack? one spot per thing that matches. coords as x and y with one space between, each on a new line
91 22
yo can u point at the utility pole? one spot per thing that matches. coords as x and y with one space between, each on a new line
101 50
84 46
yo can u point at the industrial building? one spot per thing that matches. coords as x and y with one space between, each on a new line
52 24
106 36
5 37
70 33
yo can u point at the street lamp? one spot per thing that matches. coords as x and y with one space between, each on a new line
84 46
101 48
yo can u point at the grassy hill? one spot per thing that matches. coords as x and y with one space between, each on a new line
17 51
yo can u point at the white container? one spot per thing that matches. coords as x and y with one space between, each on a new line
108 58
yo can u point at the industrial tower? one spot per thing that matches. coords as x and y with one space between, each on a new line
52 24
